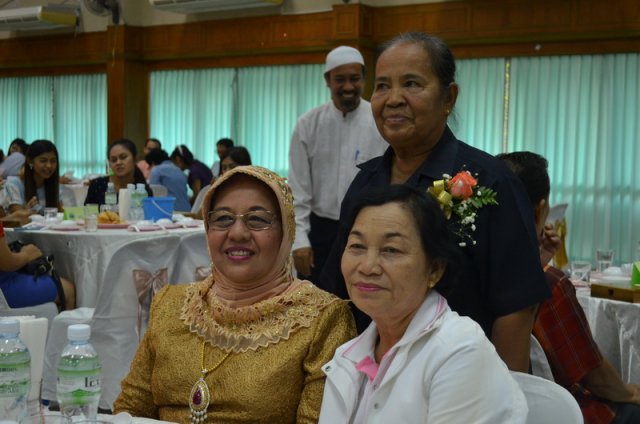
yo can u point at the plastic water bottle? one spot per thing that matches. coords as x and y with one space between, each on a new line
141 195
79 374
110 198
15 372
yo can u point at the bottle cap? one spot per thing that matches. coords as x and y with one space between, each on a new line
131 186
8 325
140 186
78 332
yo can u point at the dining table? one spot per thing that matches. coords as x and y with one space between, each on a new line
615 326
84 257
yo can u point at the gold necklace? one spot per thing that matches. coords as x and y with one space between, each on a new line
200 395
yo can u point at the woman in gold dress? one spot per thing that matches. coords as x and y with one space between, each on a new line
247 343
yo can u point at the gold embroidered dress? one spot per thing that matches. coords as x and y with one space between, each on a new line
261 362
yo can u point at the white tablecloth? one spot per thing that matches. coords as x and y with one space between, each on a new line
83 257
616 328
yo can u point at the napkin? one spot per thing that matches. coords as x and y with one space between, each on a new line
124 201
33 333
635 274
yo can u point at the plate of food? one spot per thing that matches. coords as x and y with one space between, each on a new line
109 220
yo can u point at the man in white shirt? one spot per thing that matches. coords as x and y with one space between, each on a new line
328 143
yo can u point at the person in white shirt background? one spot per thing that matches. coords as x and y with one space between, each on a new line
327 144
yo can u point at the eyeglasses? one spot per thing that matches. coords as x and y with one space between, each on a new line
255 220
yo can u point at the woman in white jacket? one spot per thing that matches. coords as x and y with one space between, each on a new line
418 361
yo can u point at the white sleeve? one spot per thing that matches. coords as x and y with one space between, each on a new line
299 180
474 386
14 193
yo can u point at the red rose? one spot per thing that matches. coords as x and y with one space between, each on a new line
461 186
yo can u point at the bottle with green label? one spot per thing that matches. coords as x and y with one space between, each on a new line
15 372
79 375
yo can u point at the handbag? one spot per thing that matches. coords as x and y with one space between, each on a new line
41 266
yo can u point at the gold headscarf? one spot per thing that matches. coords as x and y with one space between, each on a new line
237 316
237 294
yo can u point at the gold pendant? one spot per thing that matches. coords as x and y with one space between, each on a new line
199 401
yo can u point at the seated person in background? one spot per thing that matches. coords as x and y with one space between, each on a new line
199 174
121 155
237 156
38 185
150 144
222 149
247 343
15 160
418 361
561 326
22 290
165 173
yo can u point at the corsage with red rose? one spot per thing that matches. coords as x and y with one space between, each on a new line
462 196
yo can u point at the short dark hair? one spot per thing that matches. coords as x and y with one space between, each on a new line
239 155
51 184
183 153
437 240
531 169
441 58
226 142
155 140
156 157
21 143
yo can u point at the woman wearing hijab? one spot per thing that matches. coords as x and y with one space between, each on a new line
246 344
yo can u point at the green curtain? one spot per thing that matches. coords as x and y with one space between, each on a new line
80 123
478 115
270 100
257 107
582 113
68 110
192 107
27 109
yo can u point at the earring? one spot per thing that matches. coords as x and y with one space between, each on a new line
31 167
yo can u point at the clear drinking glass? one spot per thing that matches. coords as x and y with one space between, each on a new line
604 259
580 270
50 216
91 217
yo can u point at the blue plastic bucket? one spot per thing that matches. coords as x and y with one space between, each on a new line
156 208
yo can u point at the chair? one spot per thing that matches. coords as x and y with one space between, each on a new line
539 362
158 190
193 261
47 310
197 204
548 402
119 318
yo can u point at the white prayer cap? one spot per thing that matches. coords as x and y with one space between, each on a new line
342 55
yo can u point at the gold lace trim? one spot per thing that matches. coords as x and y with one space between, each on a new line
250 327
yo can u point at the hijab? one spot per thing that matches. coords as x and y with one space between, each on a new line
236 316
239 293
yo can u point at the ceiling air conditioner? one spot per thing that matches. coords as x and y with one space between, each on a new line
38 17
198 6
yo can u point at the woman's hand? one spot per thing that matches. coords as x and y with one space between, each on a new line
549 244
32 202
